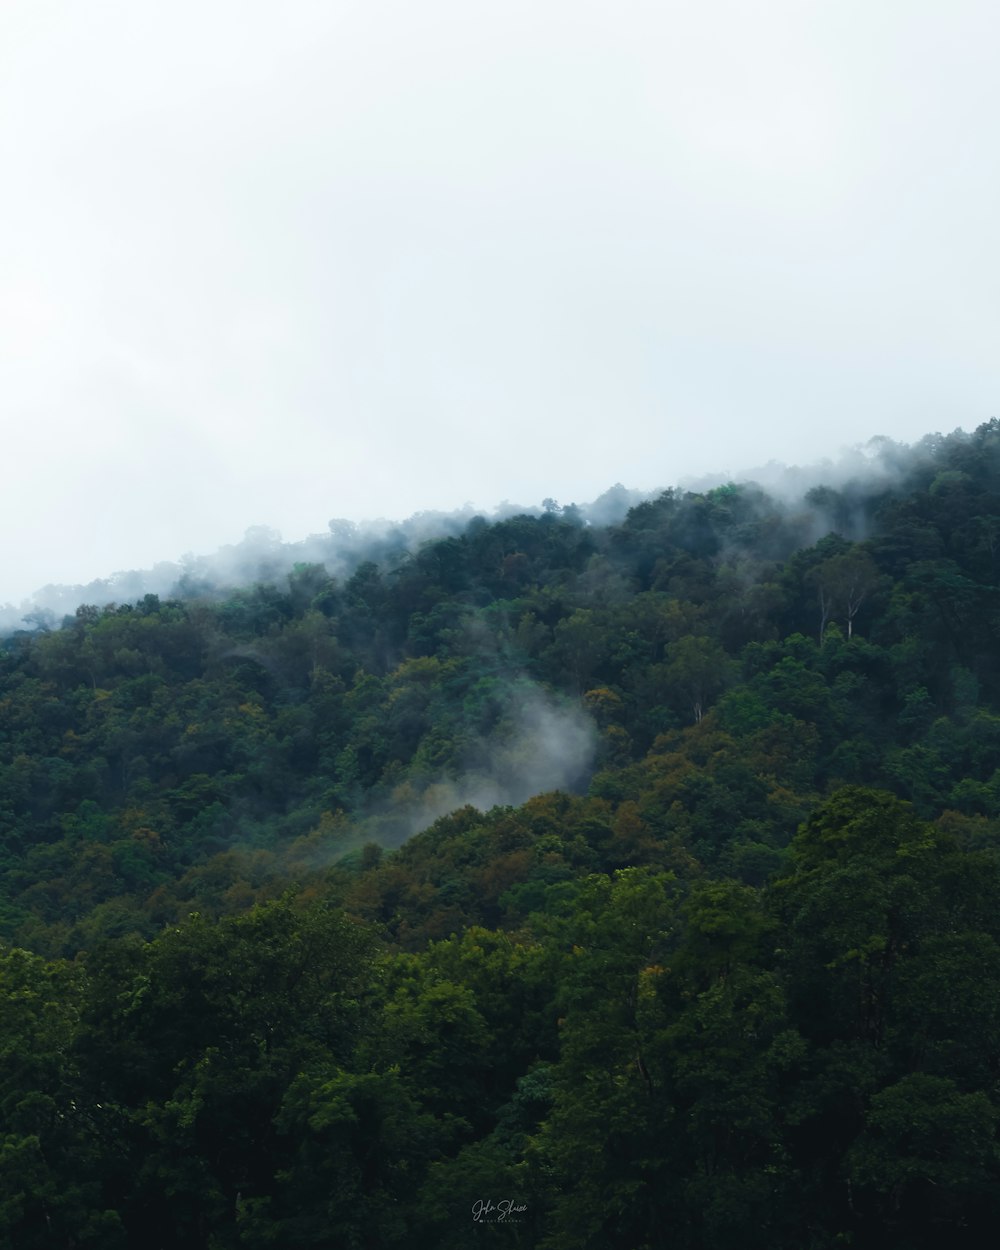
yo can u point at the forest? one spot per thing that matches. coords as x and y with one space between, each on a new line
549 884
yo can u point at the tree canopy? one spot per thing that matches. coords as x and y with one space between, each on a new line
642 877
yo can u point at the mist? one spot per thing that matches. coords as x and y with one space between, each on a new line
545 743
858 475
263 556
359 260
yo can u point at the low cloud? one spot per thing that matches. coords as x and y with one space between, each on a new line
543 744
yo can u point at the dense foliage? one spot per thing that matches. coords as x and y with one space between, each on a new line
731 978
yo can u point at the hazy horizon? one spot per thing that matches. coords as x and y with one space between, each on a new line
271 267
263 546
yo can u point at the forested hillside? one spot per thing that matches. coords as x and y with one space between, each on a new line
646 876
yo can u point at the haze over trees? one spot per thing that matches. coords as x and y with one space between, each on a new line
646 874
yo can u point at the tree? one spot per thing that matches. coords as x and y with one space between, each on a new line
697 668
193 1043
53 1137
927 1165
843 582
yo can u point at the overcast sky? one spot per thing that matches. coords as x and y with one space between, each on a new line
270 263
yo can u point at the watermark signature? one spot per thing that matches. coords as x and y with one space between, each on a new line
506 1211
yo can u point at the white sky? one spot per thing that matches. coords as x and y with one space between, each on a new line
270 263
